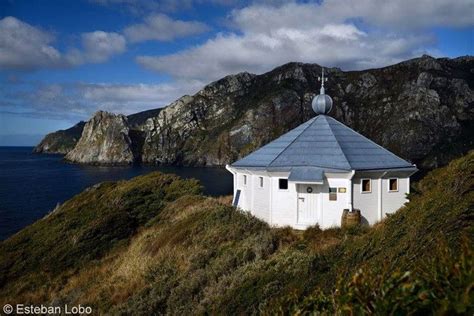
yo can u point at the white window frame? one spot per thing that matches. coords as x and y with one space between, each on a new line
244 180
388 185
362 185
287 184
260 182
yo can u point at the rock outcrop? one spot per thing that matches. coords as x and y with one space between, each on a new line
60 142
63 141
421 109
105 140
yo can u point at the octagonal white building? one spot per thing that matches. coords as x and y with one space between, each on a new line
309 175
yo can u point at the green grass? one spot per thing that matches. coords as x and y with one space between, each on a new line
154 244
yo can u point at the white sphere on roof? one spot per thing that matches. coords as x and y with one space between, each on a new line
322 104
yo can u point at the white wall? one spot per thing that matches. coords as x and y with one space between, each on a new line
283 202
375 205
261 198
392 201
367 203
279 207
285 207
253 198
332 210
246 194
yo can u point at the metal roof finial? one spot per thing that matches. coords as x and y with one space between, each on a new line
322 79
322 103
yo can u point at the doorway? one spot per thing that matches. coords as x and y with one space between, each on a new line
308 203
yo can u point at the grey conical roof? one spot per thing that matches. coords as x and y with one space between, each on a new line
323 142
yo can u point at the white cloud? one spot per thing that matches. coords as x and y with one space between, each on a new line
399 14
78 101
163 28
99 46
341 45
131 98
344 33
23 46
403 14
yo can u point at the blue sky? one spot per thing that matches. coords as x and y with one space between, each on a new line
60 61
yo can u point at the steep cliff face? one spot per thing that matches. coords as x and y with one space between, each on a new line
137 120
179 133
105 140
421 109
60 142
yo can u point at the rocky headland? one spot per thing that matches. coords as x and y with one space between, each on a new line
421 109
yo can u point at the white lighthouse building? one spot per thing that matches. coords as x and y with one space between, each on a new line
311 174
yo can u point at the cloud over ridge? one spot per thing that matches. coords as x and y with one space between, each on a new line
344 33
162 28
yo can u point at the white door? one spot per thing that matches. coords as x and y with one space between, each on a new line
308 203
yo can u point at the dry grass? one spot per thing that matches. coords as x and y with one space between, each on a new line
151 247
227 199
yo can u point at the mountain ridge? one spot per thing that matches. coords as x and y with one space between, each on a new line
420 109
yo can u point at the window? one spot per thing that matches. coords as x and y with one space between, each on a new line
283 184
366 187
245 179
393 185
332 194
261 181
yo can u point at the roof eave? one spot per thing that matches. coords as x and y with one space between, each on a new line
407 168
288 168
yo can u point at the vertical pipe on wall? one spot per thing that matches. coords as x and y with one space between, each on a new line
379 202
297 188
380 195
320 211
270 208
253 189
349 192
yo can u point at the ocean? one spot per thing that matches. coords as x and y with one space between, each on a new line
31 185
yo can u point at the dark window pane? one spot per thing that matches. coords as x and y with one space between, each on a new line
393 184
283 184
366 185
332 194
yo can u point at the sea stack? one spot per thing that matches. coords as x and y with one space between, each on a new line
105 140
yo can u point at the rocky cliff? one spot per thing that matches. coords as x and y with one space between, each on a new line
421 109
63 141
105 140
60 142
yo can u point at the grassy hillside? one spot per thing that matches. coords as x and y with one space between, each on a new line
154 244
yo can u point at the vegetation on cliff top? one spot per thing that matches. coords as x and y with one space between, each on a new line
62 141
154 244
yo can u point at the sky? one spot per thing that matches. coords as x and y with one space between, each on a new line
60 61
